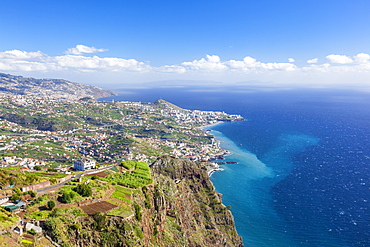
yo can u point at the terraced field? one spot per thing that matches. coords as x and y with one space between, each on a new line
94 208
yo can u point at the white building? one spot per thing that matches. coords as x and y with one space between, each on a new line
4 200
30 226
84 164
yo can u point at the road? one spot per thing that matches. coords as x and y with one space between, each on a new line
74 177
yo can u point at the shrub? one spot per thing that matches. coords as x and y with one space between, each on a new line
138 232
138 213
16 196
84 190
32 193
51 204
67 197
101 220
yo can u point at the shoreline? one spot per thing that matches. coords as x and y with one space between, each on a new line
212 167
203 127
224 152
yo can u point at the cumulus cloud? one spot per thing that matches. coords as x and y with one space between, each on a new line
81 49
213 63
251 64
362 58
17 54
340 59
98 63
211 66
313 60
17 60
210 63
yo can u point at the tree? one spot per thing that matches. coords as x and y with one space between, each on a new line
84 190
16 197
51 204
66 197
138 213
32 193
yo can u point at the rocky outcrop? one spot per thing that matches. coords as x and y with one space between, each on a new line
49 88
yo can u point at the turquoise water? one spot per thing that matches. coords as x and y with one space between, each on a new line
246 186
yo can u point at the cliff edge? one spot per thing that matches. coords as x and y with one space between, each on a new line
185 197
180 208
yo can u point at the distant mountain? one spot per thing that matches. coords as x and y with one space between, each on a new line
198 84
176 83
49 88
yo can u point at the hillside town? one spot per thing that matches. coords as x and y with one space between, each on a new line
150 129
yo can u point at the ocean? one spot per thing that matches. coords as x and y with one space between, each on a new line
302 176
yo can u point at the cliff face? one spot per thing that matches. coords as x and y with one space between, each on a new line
186 204
180 208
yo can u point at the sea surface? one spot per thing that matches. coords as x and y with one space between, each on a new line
303 171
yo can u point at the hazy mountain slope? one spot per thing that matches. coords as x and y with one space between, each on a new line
50 88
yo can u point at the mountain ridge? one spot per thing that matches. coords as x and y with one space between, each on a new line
49 88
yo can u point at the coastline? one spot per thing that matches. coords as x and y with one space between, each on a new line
212 167
203 127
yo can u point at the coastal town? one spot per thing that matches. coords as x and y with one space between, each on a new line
36 132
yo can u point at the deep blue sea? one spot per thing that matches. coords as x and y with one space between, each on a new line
303 172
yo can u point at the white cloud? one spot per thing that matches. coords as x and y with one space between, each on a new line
17 54
338 67
340 59
362 58
16 60
211 63
249 60
251 64
80 49
313 60
291 60
98 63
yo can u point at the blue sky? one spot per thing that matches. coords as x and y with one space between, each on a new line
316 42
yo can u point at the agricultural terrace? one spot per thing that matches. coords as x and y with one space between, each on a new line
136 176
6 219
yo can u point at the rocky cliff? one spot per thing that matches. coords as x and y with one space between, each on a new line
180 208
185 202
50 88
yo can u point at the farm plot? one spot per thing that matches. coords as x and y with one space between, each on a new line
103 207
99 174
